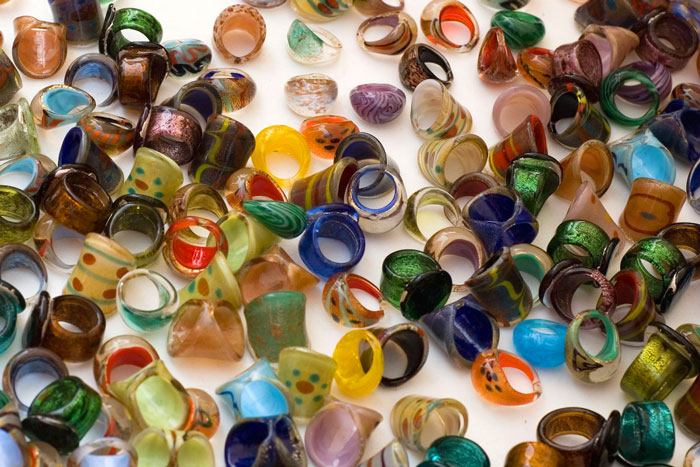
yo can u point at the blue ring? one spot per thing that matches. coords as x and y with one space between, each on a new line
540 349
96 66
337 226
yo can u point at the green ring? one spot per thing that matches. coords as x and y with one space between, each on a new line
613 82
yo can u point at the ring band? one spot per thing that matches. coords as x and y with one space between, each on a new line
402 34
242 18
413 68
94 66
451 11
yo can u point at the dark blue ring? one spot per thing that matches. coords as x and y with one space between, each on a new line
337 226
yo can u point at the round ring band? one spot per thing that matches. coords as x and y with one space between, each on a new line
438 11
140 218
111 133
81 313
111 38
615 81
340 227
387 217
77 201
352 376
425 197
342 305
20 256
456 241
403 33
491 382
410 417
573 420
151 319
240 18
541 342
118 351
189 259
413 68
32 360
414 344
95 66
582 364
284 140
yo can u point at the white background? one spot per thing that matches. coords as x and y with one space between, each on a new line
495 428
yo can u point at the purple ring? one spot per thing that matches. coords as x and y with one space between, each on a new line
638 94
377 103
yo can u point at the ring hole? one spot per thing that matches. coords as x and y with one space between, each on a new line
70 327
395 360
366 299
282 165
464 158
19 176
592 340
95 87
23 279
584 298
576 250
453 261
140 292
68 247
430 219
456 32
620 312
629 109
377 32
132 35
570 440
366 355
30 384
650 269
334 250
134 241
205 214
239 42
436 70
517 379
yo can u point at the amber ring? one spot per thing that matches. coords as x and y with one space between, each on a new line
242 18
572 421
120 351
413 67
342 305
141 68
31 360
78 202
439 11
413 343
81 313
20 256
402 34
39 49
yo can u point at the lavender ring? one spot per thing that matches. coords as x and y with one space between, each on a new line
637 93
377 103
